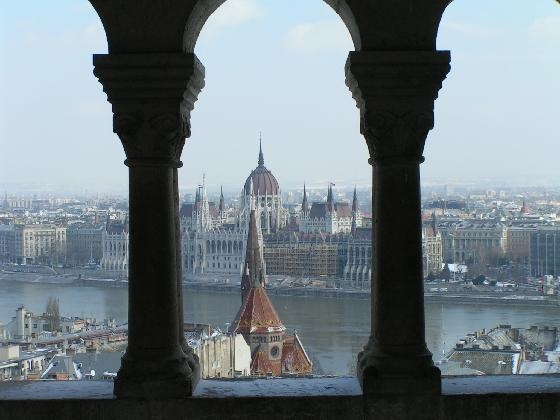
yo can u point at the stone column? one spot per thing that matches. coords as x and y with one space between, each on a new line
395 92
152 96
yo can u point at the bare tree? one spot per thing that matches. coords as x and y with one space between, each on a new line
484 259
52 314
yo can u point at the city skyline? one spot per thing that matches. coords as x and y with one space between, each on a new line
286 91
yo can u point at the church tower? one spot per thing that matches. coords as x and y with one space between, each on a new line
257 320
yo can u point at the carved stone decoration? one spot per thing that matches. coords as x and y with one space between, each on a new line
152 97
159 139
395 92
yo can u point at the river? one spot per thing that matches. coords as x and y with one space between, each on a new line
332 330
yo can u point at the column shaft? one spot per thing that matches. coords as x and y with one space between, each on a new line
398 259
395 92
154 362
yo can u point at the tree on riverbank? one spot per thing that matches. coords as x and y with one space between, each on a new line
52 314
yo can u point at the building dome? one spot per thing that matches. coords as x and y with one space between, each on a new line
264 183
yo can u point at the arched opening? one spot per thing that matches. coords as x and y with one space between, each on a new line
485 169
294 72
204 9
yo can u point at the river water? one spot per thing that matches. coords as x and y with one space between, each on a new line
332 330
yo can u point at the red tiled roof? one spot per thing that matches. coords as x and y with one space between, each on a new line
257 314
294 357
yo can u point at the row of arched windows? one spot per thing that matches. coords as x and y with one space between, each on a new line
359 253
224 247
110 247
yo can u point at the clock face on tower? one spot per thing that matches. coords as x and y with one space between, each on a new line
274 351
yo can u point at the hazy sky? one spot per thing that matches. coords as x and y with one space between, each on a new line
276 66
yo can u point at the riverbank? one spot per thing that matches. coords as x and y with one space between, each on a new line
504 298
429 297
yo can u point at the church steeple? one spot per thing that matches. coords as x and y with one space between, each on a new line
261 157
253 272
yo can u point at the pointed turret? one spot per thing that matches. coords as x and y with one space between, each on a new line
330 200
221 205
197 199
304 203
434 223
354 212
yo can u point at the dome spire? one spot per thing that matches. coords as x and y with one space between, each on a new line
261 158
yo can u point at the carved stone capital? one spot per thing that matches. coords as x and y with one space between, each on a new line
152 97
395 92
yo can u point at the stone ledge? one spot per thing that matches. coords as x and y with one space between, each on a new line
497 397
281 387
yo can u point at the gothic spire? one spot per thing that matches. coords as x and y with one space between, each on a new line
221 206
354 212
355 201
304 204
330 201
434 223
261 158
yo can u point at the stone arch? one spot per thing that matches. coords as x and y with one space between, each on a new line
203 9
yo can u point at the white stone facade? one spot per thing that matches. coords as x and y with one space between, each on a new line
330 216
32 244
114 242
213 238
